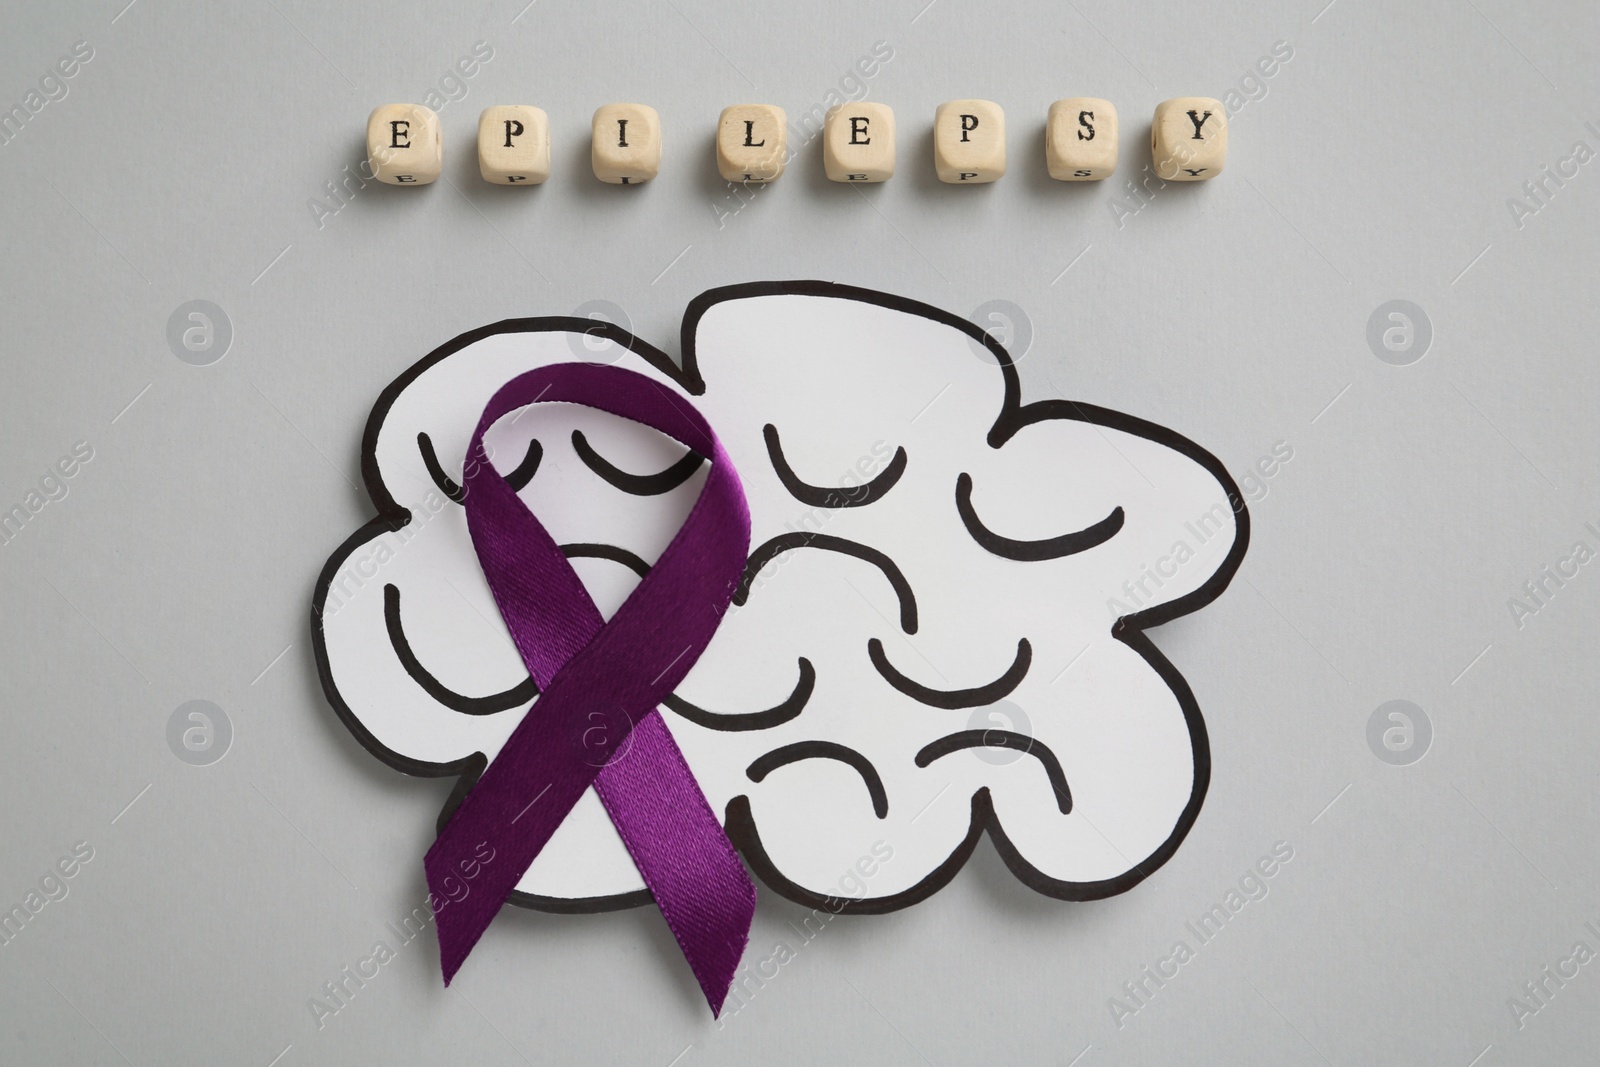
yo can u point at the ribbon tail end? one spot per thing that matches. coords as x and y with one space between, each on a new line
459 929
453 950
716 990
449 964
716 975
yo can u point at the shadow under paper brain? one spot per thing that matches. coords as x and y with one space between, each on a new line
924 546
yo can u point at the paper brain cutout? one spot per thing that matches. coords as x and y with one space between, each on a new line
939 631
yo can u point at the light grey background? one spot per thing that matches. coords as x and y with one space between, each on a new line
1419 499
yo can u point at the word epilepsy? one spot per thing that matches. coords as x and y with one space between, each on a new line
1188 142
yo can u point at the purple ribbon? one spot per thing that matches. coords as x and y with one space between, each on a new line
596 720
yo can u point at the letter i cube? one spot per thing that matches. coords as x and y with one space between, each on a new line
626 149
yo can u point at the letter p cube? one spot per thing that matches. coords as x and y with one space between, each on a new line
969 142
514 145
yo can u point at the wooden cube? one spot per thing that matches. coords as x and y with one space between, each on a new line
403 144
752 143
514 145
858 143
627 144
1189 139
1080 139
969 142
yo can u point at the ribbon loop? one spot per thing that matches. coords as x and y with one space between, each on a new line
619 670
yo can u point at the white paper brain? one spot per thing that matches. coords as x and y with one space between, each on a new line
930 643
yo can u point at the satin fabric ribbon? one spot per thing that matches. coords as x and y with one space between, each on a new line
600 683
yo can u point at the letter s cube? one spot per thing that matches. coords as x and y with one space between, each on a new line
1080 139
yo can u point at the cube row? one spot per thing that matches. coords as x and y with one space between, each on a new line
1188 142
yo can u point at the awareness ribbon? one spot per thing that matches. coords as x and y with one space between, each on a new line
615 673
